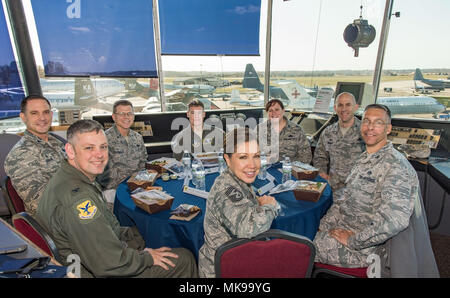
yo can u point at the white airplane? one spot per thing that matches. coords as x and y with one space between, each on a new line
195 88
299 97
412 105
237 100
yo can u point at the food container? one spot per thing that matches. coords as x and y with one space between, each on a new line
302 171
208 158
308 190
136 180
152 201
156 166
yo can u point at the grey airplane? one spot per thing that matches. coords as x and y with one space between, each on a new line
439 84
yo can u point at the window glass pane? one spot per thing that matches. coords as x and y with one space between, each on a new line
97 38
216 81
210 27
309 51
11 89
416 72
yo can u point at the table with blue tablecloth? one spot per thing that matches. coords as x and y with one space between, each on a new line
296 216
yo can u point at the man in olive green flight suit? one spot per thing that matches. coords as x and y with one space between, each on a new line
75 214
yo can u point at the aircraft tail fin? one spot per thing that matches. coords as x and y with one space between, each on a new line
298 96
84 92
251 79
418 75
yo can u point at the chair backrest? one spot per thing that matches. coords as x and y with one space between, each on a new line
7 141
272 254
13 200
30 228
413 244
329 271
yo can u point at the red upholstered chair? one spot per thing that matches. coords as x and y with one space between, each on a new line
328 271
272 254
13 200
30 228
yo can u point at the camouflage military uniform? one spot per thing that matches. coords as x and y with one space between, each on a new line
210 138
232 211
335 154
30 164
292 141
376 204
125 157
73 211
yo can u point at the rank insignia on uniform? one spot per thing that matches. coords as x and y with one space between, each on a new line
234 194
87 210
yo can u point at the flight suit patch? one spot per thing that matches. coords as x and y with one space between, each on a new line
86 210
234 194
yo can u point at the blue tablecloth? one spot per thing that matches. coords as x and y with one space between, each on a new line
300 217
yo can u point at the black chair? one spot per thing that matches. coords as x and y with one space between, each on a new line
272 254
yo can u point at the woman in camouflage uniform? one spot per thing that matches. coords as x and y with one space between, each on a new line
232 209
289 138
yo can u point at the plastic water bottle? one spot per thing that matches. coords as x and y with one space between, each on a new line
186 163
194 168
262 175
287 169
198 173
221 161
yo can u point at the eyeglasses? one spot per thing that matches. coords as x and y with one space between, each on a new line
123 114
376 123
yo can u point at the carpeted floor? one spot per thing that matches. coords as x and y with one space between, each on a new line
441 249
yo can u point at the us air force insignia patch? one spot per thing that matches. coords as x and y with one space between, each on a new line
87 210
234 194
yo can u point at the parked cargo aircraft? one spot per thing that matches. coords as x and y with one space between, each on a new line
433 83
299 98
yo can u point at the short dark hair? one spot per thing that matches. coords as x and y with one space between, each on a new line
122 102
82 126
23 104
196 103
237 136
381 107
273 102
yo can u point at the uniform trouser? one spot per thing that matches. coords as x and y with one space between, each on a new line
332 252
185 264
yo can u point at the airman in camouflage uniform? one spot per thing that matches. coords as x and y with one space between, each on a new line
292 141
209 139
37 156
232 211
126 156
198 136
376 203
340 144
127 152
